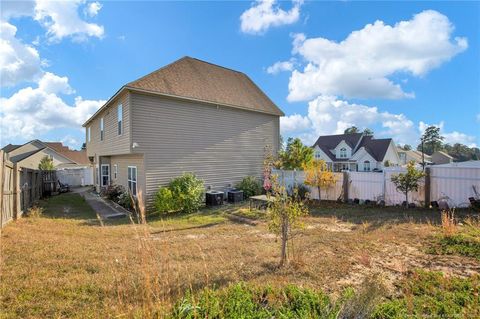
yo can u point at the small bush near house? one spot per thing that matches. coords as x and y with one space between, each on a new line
112 192
184 193
125 200
433 295
250 186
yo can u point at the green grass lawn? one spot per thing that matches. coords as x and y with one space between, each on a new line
67 205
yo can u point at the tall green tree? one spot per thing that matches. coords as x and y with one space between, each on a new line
431 140
408 182
46 164
368 132
351 130
296 155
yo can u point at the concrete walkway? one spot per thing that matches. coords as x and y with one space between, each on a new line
103 208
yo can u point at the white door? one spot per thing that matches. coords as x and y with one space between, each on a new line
105 175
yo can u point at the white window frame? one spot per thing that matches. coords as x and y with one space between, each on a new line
115 171
101 174
102 132
120 119
130 181
366 167
89 134
343 152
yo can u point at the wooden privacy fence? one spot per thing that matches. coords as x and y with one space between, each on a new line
20 188
455 185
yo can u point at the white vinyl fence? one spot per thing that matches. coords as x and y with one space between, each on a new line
452 184
291 178
76 176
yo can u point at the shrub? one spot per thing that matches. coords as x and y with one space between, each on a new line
35 212
164 202
125 200
112 192
433 295
184 193
250 186
248 301
302 191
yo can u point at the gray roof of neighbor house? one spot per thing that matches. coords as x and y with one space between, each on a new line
377 148
444 154
21 157
198 80
329 142
10 147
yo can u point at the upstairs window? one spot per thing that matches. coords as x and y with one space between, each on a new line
119 118
343 152
89 134
101 129
317 155
366 166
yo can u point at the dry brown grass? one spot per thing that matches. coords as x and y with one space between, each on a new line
449 225
72 267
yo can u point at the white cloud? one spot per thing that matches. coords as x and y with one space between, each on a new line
265 14
71 141
93 8
19 62
61 20
31 112
51 83
281 66
294 123
360 65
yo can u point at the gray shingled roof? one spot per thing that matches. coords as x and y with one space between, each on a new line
10 147
377 148
195 79
329 142
20 157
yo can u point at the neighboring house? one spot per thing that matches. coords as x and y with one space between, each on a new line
436 158
413 155
189 116
68 161
440 157
356 152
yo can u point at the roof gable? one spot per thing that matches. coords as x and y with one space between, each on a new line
195 79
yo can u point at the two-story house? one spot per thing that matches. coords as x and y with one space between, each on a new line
189 116
356 152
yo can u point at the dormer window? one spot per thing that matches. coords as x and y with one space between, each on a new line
343 152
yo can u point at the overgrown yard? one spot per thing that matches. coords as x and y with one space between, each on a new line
64 264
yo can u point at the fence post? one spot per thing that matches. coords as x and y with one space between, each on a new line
345 186
427 186
16 191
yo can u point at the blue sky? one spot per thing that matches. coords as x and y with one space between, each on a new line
392 67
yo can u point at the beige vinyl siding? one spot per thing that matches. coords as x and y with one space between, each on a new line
122 162
28 147
112 144
219 144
